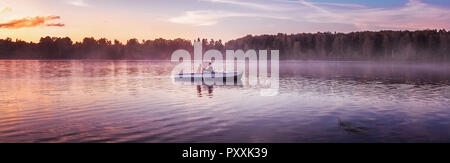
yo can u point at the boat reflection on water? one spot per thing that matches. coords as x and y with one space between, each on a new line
209 88
208 84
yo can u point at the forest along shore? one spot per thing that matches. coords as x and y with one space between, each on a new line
423 45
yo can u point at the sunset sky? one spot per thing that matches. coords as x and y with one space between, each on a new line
218 19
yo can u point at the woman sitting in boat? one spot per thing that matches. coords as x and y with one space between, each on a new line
208 69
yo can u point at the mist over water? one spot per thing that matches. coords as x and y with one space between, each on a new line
136 101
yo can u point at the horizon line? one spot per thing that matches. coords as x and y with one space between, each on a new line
266 34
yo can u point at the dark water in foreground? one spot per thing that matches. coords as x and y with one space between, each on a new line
135 101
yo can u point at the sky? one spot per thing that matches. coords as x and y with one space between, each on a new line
30 20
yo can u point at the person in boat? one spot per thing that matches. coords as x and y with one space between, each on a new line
202 69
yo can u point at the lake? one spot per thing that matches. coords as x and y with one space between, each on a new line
136 101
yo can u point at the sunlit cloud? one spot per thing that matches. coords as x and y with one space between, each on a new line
79 3
55 25
30 22
208 17
5 10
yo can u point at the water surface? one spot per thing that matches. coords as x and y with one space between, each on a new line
136 101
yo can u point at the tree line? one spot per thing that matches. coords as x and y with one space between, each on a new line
430 45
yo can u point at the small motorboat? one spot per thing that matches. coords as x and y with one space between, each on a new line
214 76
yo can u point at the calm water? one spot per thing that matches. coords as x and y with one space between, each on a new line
135 101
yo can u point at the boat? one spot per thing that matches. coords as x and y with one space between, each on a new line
209 77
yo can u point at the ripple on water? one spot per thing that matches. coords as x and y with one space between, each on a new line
125 101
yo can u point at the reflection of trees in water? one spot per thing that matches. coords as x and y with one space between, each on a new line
393 72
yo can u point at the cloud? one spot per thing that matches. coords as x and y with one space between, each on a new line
79 3
413 15
314 6
209 17
55 25
5 10
30 22
260 6
347 5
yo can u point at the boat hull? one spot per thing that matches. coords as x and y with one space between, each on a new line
221 77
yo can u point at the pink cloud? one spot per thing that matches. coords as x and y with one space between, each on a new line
30 22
